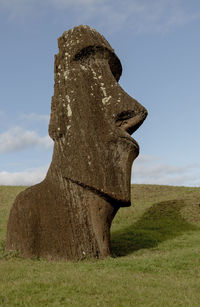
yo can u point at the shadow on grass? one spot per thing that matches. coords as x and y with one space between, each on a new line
161 222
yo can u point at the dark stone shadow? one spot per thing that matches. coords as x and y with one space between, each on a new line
160 222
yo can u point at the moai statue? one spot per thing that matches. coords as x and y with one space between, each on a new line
69 214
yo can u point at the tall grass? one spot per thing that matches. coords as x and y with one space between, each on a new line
156 249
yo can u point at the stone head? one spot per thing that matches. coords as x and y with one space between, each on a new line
92 117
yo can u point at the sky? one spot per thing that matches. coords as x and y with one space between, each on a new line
158 44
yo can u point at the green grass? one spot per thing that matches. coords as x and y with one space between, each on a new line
156 244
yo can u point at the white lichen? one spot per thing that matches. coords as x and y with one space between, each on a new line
69 110
106 99
83 67
94 74
103 89
67 97
66 74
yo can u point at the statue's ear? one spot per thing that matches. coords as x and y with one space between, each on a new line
58 120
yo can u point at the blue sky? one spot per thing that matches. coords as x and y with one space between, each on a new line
158 44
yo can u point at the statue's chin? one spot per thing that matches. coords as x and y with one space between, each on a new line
104 170
115 187
121 187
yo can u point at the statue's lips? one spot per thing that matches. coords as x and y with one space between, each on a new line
131 140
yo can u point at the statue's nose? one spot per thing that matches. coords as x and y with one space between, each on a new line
130 121
130 114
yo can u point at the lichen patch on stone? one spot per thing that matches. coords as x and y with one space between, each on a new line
83 67
103 89
106 99
69 110
67 97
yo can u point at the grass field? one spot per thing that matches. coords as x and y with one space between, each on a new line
156 248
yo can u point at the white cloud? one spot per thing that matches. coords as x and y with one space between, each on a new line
17 8
62 4
28 177
138 15
33 117
152 170
17 139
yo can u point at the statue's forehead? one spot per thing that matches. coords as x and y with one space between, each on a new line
81 40
78 38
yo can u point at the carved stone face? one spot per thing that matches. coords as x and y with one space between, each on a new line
92 117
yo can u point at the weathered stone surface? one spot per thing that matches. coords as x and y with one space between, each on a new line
69 214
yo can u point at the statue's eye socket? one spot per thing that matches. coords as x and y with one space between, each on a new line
85 53
115 67
101 52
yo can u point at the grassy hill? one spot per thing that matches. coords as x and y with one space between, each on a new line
156 248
